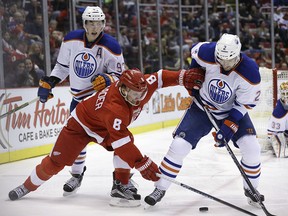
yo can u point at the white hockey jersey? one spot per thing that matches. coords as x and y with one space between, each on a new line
225 92
278 122
81 60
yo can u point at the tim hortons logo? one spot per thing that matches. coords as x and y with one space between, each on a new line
40 117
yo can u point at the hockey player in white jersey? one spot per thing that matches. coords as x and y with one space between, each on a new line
84 54
231 86
278 124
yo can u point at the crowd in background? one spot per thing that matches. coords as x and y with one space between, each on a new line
22 32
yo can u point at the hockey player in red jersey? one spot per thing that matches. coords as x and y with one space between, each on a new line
104 118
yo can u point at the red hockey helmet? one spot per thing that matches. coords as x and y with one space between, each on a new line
133 86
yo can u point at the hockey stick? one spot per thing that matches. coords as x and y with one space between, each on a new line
205 194
19 107
255 194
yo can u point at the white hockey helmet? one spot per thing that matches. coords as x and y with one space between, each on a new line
94 13
227 51
284 94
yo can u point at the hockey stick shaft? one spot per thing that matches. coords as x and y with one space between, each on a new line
255 194
19 107
205 194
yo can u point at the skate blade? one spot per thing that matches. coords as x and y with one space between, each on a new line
252 203
65 193
124 203
147 206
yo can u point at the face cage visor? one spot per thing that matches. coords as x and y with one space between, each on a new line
284 98
228 64
133 97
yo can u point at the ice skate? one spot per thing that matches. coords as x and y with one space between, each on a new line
18 192
251 199
155 197
132 185
123 196
73 184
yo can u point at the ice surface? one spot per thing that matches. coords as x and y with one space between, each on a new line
206 168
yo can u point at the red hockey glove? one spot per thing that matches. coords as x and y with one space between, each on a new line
147 168
101 81
225 133
192 79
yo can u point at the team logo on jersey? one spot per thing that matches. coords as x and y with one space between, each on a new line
219 91
84 65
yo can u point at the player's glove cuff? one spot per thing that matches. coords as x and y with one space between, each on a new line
101 81
225 133
148 169
192 79
44 90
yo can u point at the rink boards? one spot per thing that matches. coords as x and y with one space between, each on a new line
33 130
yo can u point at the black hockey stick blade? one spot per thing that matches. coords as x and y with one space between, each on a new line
205 194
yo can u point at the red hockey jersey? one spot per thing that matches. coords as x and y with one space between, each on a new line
106 115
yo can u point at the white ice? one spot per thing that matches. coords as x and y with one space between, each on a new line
206 168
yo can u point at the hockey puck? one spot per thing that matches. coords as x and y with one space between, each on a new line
203 209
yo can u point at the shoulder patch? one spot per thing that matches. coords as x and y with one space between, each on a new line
110 43
75 35
206 52
248 69
279 111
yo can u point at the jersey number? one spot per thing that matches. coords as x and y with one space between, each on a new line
117 124
276 125
258 93
151 79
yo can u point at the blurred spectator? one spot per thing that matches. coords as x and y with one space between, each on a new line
60 13
278 14
53 24
16 77
32 8
246 38
124 41
279 56
256 17
283 29
16 27
34 73
36 54
56 38
170 59
256 41
35 27
214 28
244 15
186 61
263 31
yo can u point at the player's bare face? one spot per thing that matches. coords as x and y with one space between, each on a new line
228 64
133 97
93 29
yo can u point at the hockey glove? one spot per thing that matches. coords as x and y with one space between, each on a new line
44 90
147 168
101 81
192 79
225 133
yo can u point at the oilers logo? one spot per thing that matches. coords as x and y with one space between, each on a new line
219 91
84 65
